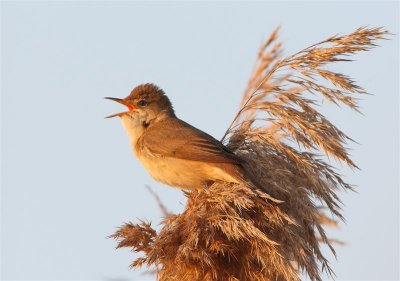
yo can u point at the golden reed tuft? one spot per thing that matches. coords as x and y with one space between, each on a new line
231 232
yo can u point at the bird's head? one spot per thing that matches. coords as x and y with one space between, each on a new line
146 102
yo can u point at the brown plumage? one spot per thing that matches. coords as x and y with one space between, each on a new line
174 152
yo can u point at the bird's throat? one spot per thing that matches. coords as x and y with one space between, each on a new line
133 127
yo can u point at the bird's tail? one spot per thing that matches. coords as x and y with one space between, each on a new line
246 176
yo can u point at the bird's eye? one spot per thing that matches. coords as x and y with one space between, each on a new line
142 103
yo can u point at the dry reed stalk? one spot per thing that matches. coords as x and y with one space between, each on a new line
231 232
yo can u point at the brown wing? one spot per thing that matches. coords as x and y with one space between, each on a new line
177 139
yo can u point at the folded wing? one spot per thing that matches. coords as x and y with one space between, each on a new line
184 141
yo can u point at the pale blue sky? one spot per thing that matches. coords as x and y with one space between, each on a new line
68 176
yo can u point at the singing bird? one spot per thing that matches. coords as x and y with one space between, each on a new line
172 151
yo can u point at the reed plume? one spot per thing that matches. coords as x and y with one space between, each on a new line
232 232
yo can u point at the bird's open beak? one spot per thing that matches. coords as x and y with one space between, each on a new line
129 105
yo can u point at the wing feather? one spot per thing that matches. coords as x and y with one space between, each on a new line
177 139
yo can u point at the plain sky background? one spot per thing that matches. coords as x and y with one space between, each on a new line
68 176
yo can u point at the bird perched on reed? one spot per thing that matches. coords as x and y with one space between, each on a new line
174 152
230 231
